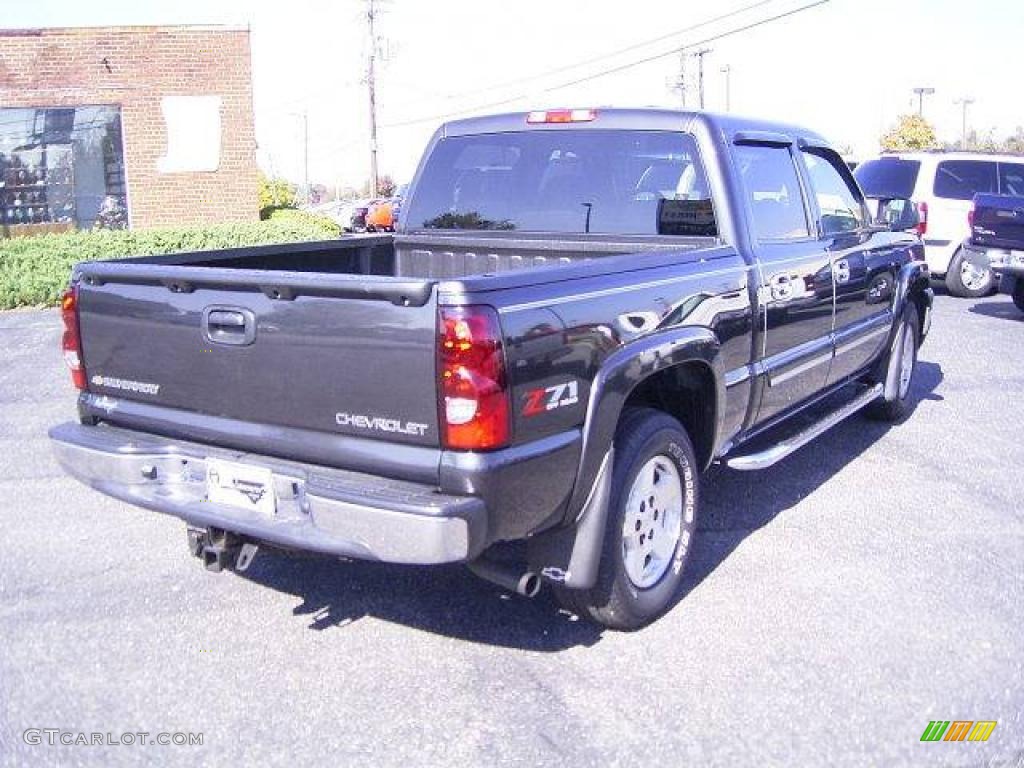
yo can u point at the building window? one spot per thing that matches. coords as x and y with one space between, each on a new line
61 169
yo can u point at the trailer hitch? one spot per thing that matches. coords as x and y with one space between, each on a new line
220 549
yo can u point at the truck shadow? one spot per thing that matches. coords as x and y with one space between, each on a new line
1003 310
451 601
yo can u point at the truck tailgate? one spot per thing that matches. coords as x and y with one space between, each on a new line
998 221
338 354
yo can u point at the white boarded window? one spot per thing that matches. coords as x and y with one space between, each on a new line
193 134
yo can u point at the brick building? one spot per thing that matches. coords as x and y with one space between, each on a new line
139 126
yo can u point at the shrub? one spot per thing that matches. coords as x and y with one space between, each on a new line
325 224
34 270
274 193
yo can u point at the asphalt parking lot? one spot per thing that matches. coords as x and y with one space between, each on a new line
838 602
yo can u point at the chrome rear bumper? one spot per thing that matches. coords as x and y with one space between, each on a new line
319 509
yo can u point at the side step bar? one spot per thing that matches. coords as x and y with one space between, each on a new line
781 450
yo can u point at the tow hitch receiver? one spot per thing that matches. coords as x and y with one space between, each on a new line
220 549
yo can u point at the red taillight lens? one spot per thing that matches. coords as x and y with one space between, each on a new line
71 342
473 387
922 214
562 116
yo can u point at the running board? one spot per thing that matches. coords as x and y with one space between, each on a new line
781 450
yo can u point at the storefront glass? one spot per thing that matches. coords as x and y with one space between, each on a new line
61 169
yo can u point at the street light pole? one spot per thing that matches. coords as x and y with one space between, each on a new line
921 93
700 73
964 103
727 70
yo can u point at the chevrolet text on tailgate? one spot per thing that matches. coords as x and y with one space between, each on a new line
579 312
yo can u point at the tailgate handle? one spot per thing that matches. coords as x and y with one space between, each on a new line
229 325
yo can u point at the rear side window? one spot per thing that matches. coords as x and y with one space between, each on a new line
773 192
566 181
963 179
1011 179
888 177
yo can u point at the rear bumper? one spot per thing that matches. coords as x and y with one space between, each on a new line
319 509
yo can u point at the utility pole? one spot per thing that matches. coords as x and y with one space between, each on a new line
727 70
921 93
964 103
700 73
371 84
680 85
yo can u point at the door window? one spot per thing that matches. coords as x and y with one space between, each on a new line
963 179
839 202
773 192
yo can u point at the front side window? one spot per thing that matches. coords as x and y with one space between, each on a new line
963 179
838 202
565 181
61 169
773 191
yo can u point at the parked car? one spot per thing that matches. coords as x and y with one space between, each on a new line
997 241
943 185
581 312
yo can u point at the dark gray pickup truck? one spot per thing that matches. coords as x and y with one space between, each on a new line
579 312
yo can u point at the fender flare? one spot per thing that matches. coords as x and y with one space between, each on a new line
913 281
571 554
620 374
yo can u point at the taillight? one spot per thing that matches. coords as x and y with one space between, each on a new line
922 215
473 388
562 116
71 342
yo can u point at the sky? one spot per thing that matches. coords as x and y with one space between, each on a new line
845 68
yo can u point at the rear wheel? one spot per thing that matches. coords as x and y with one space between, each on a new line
967 279
904 357
651 524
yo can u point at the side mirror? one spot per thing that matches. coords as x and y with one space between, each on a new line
896 214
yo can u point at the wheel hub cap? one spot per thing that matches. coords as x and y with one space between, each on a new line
972 276
653 521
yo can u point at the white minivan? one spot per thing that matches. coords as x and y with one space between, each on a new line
943 184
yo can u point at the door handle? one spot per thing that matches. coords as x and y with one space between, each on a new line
229 325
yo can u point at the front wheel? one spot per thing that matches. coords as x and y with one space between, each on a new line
902 365
968 280
1018 294
652 521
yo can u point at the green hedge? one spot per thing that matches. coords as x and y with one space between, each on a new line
35 270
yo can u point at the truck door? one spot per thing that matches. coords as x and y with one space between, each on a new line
865 264
795 286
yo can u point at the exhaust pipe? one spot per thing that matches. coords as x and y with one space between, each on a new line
510 577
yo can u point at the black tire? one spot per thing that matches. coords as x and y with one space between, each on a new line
643 435
955 284
1018 294
898 409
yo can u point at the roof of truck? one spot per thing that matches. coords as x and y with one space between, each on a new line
650 119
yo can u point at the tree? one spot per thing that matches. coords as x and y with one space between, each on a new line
385 187
274 193
910 132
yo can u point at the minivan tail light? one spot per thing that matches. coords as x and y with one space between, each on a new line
562 116
474 396
922 215
71 342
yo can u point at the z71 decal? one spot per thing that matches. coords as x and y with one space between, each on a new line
549 398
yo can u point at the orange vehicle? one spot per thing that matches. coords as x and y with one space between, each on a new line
380 217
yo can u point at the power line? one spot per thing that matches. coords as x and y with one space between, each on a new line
612 70
609 55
